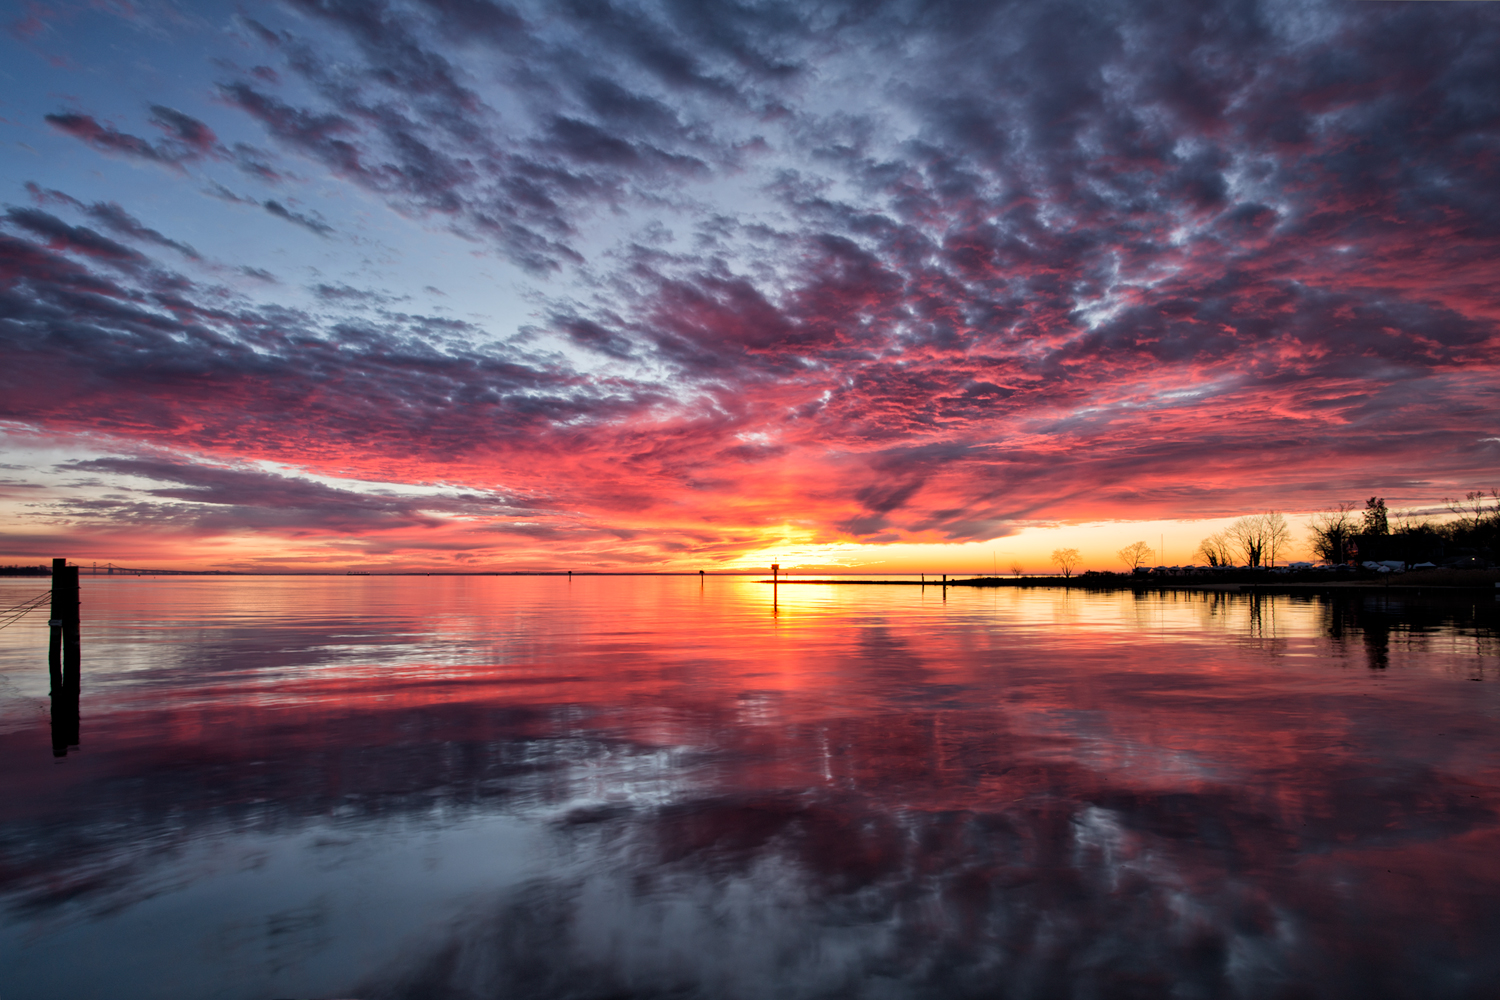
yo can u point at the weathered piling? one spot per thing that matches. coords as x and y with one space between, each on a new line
64 657
62 647
55 625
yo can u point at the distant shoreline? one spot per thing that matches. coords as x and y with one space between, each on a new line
1223 588
1449 581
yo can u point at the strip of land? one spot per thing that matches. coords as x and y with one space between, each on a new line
1249 582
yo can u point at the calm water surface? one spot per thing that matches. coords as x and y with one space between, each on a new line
650 787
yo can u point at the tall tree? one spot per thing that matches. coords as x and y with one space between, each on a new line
1376 522
1475 508
1066 560
1217 549
1248 535
1135 555
1332 531
1277 534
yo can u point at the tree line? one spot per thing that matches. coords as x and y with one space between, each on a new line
1348 534
1254 540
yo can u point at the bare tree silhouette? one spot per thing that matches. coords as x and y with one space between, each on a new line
1135 555
1218 549
1259 536
1332 531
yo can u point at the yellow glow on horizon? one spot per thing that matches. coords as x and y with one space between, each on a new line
1172 542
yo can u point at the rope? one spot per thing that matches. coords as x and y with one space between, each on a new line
29 600
20 609
15 613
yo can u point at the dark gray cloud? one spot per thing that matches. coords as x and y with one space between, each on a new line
210 498
75 239
184 130
272 206
251 498
83 348
117 220
279 210
407 124
112 217
256 162
187 138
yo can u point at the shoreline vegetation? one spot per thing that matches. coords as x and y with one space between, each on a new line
1242 581
1262 580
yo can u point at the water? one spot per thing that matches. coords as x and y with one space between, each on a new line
650 787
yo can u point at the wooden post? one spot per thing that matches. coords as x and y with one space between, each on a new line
55 624
64 657
775 568
72 655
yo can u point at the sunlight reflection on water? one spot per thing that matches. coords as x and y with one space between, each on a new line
535 787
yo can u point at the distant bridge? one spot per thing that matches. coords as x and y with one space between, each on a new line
110 569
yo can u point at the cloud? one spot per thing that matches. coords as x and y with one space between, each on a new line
183 130
75 239
245 369
256 162
273 207
188 139
279 210
406 125
241 499
112 217
350 295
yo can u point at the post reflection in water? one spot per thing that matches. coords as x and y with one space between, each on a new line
64 714
510 788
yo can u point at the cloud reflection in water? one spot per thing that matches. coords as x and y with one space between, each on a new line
1016 794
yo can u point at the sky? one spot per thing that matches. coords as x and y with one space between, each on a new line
695 284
